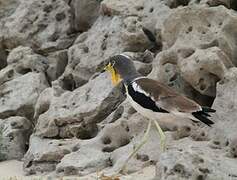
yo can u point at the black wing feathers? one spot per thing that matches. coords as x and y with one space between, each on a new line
202 116
143 100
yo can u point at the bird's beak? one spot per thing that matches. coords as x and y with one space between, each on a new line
114 75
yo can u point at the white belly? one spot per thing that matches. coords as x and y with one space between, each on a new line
143 111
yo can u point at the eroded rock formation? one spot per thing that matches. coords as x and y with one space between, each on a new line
64 116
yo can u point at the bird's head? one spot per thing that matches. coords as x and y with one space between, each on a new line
120 67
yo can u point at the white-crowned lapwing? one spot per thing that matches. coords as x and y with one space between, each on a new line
153 99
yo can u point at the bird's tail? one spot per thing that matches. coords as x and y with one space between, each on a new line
203 115
207 109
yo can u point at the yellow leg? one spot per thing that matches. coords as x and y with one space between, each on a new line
161 134
144 140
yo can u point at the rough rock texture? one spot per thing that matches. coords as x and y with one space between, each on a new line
44 154
200 160
19 95
82 19
75 114
51 57
43 25
14 135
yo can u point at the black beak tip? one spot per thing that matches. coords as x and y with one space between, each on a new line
102 71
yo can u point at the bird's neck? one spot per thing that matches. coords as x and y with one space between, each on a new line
130 78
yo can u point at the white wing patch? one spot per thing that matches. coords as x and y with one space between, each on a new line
124 55
137 88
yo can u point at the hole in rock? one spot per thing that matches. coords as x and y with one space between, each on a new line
87 131
177 3
233 4
108 149
151 10
124 141
118 113
179 168
68 83
106 140
24 70
200 177
139 8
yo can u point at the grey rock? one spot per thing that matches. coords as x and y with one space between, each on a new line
44 154
83 20
8 7
108 33
83 162
76 113
226 110
57 62
200 157
43 25
186 45
20 61
18 96
195 160
24 60
14 135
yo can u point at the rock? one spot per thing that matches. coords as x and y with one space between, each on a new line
108 35
200 32
24 60
194 160
197 47
200 157
8 7
75 114
82 162
114 35
176 3
18 96
83 20
14 135
3 56
8 74
57 63
43 25
226 110
44 154
45 99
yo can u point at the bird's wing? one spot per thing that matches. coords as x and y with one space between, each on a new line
165 97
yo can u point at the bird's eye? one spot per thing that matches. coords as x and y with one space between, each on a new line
112 63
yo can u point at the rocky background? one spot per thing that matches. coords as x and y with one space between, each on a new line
61 116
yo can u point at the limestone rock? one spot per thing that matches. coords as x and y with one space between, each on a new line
24 60
8 7
76 113
44 154
57 62
18 96
199 32
83 20
7 74
83 162
198 158
108 35
45 99
226 110
42 25
195 160
194 49
14 135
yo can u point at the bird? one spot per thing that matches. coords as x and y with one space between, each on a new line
152 99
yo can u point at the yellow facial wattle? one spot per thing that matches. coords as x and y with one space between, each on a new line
114 76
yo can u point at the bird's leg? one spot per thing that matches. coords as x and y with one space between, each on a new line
161 134
144 140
